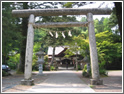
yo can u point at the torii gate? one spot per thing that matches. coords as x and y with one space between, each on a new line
31 13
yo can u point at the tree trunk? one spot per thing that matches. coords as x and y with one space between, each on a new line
23 42
4 55
4 59
118 7
53 56
76 63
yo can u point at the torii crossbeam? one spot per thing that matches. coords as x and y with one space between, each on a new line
64 11
60 24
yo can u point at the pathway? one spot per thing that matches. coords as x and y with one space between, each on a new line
65 81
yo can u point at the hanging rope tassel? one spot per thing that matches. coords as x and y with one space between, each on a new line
50 33
69 33
56 35
63 35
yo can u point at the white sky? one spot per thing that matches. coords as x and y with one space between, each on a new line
107 4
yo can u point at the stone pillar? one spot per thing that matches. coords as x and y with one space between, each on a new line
93 52
29 53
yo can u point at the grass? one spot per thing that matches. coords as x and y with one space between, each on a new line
92 86
35 71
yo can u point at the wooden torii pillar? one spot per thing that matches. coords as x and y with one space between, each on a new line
56 12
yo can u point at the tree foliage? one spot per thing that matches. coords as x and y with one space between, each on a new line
79 45
14 33
10 31
108 49
118 11
75 4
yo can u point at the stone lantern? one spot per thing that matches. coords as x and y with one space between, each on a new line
40 61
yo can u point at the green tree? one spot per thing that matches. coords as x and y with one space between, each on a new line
118 8
109 50
77 4
83 19
113 21
99 25
79 45
24 27
10 33
105 24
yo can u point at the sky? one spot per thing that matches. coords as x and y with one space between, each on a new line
106 4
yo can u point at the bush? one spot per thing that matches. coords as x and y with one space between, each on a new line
79 67
12 65
34 63
103 72
52 68
4 73
85 73
46 58
46 66
19 72
13 61
85 68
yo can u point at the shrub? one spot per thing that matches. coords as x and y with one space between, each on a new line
34 63
12 65
85 73
79 67
103 72
92 86
4 73
46 58
85 68
46 66
13 61
52 68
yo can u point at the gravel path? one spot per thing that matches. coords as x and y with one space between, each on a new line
112 83
14 81
62 82
54 82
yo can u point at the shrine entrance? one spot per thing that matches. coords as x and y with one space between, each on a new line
31 13
65 64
